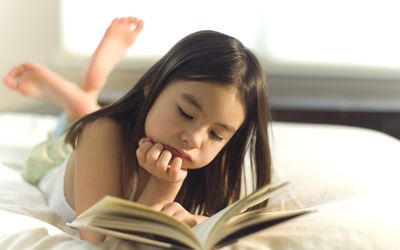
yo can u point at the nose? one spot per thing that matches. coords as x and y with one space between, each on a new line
193 137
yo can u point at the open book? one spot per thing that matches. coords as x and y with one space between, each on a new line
129 220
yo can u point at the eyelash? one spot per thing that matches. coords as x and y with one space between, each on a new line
185 115
188 117
215 136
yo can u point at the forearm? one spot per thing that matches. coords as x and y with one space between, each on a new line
157 192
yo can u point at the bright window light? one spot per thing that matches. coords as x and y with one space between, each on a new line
340 32
284 33
166 22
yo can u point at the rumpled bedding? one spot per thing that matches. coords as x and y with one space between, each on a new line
348 174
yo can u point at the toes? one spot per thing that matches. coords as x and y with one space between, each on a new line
12 78
9 82
136 25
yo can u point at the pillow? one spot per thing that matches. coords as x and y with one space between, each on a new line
325 163
367 222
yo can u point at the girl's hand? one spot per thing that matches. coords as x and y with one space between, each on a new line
175 210
159 163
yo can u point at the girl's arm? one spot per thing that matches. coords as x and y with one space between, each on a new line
157 191
165 181
97 161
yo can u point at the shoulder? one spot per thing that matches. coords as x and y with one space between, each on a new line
103 129
98 153
102 137
97 162
103 125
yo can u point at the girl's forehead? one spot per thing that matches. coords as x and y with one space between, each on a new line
206 90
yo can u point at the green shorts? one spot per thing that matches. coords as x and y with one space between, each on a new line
45 157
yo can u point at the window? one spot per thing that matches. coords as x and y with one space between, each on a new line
337 34
287 35
84 23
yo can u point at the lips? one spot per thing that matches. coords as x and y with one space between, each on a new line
177 153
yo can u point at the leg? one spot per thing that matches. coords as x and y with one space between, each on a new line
32 79
119 36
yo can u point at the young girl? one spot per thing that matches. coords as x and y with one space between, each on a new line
177 140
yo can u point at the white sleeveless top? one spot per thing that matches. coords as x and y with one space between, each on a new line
52 187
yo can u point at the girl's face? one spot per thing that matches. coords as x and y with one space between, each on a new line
194 120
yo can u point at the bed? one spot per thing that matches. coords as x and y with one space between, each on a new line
349 174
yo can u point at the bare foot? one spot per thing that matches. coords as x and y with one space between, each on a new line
119 36
34 80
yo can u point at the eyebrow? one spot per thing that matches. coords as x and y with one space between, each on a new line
191 99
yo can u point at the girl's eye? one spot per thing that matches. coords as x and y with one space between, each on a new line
184 114
216 136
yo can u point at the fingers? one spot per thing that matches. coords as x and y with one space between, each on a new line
171 209
141 151
154 153
159 162
175 171
177 211
158 207
163 161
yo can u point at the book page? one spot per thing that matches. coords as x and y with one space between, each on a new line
116 213
128 236
247 223
131 226
204 231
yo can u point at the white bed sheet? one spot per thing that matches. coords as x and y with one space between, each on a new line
357 210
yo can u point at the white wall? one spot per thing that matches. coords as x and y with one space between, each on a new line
29 31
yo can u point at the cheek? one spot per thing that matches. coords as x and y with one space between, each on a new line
151 127
157 125
208 155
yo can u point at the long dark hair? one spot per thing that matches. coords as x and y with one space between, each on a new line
204 56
